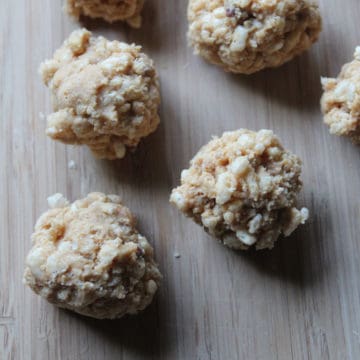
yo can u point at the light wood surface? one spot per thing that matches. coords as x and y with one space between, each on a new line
299 301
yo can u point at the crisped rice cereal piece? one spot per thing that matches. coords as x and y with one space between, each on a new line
105 94
340 102
245 36
242 189
110 10
88 257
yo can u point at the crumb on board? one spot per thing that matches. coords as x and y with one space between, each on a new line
72 165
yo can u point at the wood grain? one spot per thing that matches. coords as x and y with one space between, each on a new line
299 301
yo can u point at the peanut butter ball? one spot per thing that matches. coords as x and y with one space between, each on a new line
105 94
110 10
340 102
88 257
242 189
245 36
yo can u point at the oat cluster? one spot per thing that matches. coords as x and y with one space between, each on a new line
88 257
245 36
340 103
109 10
242 189
105 94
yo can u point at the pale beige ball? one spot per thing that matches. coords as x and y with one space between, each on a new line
245 36
88 257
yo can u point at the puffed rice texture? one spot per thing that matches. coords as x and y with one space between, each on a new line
340 102
246 36
242 188
88 257
110 10
105 94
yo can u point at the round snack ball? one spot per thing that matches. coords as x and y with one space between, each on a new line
88 257
245 36
105 94
340 103
110 10
242 189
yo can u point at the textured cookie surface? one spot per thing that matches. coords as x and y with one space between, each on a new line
242 189
105 94
340 103
110 10
88 257
245 36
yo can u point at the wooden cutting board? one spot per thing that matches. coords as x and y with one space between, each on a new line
299 301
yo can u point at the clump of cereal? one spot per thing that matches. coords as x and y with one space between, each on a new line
88 257
105 94
110 10
340 103
245 36
242 188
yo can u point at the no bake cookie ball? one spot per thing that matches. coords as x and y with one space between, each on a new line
88 257
105 94
340 102
242 189
245 36
110 10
